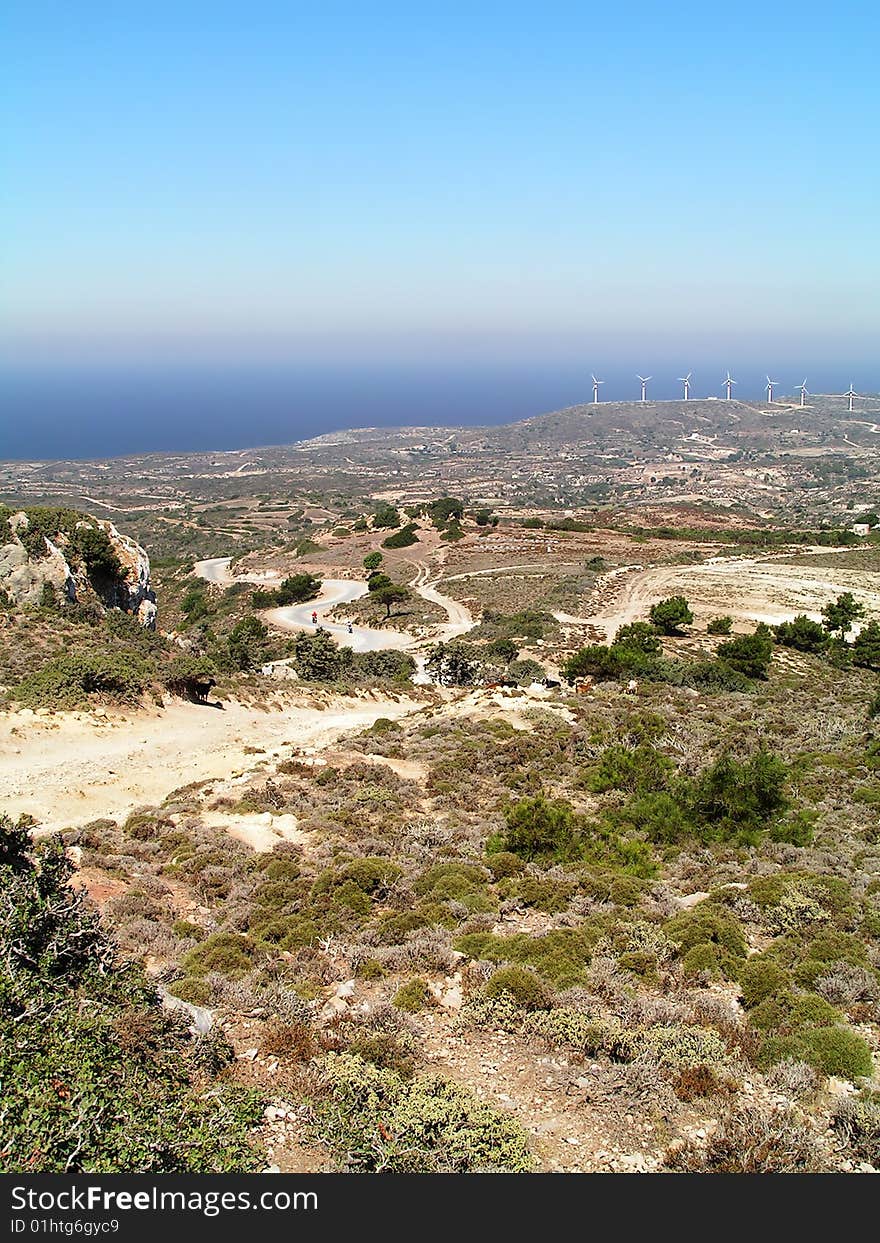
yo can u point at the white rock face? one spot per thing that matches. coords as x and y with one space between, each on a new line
23 579
136 561
24 576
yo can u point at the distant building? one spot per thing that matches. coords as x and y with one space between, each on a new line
860 528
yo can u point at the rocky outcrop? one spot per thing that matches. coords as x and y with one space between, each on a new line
45 556
24 579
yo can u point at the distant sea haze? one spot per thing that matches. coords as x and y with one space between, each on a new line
75 413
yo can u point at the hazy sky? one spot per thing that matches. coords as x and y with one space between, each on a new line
350 180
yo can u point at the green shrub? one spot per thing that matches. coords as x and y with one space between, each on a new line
560 956
720 625
69 680
669 615
375 1121
833 1050
786 1012
504 863
546 893
837 1051
96 1074
748 654
94 548
661 817
706 923
679 1045
527 989
456 882
760 978
191 989
413 996
228 953
802 633
404 538
705 958
634 769
590 1036
540 827
733 798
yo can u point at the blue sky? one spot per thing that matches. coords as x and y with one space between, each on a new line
346 182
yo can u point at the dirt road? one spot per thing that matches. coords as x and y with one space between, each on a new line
69 769
748 589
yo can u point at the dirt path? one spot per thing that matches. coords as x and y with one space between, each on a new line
749 589
460 618
69 769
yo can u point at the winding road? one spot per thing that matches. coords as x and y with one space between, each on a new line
336 591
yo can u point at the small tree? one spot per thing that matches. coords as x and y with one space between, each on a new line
95 548
387 516
866 646
385 664
454 663
540 826
639 636
735 797
749 654
671 614
293 590
96 1074
297 588
504 650
597 660
372 561
247 644
394 593
840 614
802 633
720 625
403 538
447 507
318 658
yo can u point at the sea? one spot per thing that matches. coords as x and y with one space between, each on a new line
86 412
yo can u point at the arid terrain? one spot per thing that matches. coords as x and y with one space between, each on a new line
488 799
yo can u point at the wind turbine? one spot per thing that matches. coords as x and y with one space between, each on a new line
728 384
770 384
596 384
686 381
644 379
851 394
802 389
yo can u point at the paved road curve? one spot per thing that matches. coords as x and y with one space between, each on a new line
336 591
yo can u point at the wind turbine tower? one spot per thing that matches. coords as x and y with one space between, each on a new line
802 389
770 386
596 384
644 379
686 381
728 384
851 394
